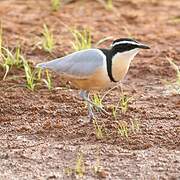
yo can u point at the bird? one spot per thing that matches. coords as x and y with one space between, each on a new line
95 69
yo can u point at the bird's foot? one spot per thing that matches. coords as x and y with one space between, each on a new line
101 109
91 116
92 105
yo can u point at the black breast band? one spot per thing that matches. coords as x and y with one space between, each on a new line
109 64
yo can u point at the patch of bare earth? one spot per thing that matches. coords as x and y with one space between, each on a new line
41 131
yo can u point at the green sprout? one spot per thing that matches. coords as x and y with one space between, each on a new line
98 169
40 77
97 166
176 68
39 74
68 171
98 129
176 85
123 129
114 109
48 39
18 60
80 168
48 81
55 4
97 100
175 20
124 103
109 4
9 59
82 39
30 75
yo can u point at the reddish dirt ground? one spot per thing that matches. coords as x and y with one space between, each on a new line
41 131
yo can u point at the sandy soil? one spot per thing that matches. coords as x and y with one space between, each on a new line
41 131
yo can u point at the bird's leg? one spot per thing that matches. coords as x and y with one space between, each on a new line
90 111
84 95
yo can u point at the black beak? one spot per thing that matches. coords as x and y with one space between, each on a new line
143 46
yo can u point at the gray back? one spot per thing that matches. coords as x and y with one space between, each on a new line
81 63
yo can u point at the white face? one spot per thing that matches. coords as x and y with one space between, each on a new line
121 62
129 55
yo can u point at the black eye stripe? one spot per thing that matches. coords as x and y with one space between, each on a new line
125 47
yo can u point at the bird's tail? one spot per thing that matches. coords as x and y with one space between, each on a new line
42 65
54 65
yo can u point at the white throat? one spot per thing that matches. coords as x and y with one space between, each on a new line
121 62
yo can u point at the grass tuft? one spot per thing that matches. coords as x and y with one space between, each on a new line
55 5
109 4
97 100
123 129
30 75
98 169
175 20
82 39
115 109
124 103
98 130
35 76
10 59
48 80
176 68
175 85
48 39
80 167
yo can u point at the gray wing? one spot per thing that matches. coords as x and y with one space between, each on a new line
80 64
